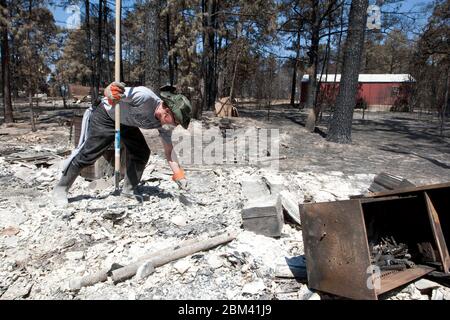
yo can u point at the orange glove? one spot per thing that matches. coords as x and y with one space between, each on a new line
115 92
180 179
178 175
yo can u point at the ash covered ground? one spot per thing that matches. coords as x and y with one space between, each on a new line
43 247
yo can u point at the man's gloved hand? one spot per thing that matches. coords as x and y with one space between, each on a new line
115 92
180 178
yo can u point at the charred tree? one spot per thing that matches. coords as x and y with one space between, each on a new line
314 64
209 8
294 69
6 76
98 74
94 90
152 63
31 85
318 105
170 57
446 102
108 44
339 43
236 61
122 72
317 18
340 130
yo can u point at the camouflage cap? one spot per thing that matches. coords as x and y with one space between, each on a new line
179 105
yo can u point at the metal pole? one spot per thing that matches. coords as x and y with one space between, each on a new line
117 106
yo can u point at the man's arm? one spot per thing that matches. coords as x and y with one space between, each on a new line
134 96
170 155
137 96
178 172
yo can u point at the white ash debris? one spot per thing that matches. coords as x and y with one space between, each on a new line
441 293
424 285
43 247
332 185
305 294
422 289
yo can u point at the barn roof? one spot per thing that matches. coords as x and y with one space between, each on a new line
366 78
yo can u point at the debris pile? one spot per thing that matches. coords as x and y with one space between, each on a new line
386 181
388 255
43 248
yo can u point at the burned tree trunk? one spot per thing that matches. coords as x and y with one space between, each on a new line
63 95
108 45
318 105
341 123
314 63
152 69
294 69
209 10
233 81
98 75
122 73
446 102
94 90
339 45
169 48
32 119
236 61
6 80
31 84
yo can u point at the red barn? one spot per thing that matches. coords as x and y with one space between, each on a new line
378 92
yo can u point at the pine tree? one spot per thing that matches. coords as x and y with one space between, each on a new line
6 82
152 48
341 124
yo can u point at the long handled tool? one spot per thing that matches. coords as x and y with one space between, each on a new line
117 106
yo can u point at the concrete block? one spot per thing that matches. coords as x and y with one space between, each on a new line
264 216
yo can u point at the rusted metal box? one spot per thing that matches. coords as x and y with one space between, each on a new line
338 237
437 200
264 217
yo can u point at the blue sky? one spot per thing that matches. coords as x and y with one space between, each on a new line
61 16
